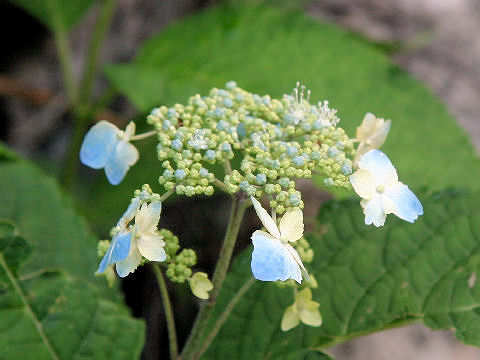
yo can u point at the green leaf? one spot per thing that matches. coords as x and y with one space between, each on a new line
6 154
50 315
266 50
368 279
47 219
50 12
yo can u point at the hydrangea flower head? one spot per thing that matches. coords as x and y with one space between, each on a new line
273 258
106 146
304 309
371 134
376 182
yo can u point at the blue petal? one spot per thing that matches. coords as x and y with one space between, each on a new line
406 204
379 165
97 144
271 260
121 158
117 251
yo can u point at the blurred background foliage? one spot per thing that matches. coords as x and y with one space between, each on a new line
266 46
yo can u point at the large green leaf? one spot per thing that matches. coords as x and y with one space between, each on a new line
266 50
54 13
368 279
50 315
47 219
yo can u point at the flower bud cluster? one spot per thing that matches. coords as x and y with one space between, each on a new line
304 250
273 141
179 266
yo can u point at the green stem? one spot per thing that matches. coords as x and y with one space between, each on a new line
167 307
28 308
166 195
101 27
64 52
223 317
143 136
236 215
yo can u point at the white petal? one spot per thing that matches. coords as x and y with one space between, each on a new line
298 260
291 225
271 260
381 132
366 128
98 144
129 214
129 130
121 158
151 246
265 218
364 183
148 217
125 267
373 211
378 164
405 204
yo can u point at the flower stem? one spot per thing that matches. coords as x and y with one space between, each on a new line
223 317
64 52
143 136
101 27
167 307
166 195
236 215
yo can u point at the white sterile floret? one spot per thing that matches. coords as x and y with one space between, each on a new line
146 241
106 146
120 245
376 181
273 258
371 134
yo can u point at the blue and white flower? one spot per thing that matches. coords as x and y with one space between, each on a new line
273 258
134 241
120 245
106 146
376 182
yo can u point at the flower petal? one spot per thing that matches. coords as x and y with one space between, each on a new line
148 217
271 260
98 144
291 225
381 132
364 183
129 214
309 313
373 211
405 204
151 246
121 158
378 164
290 319
265 218
366 128
118 250
128 265
200 285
